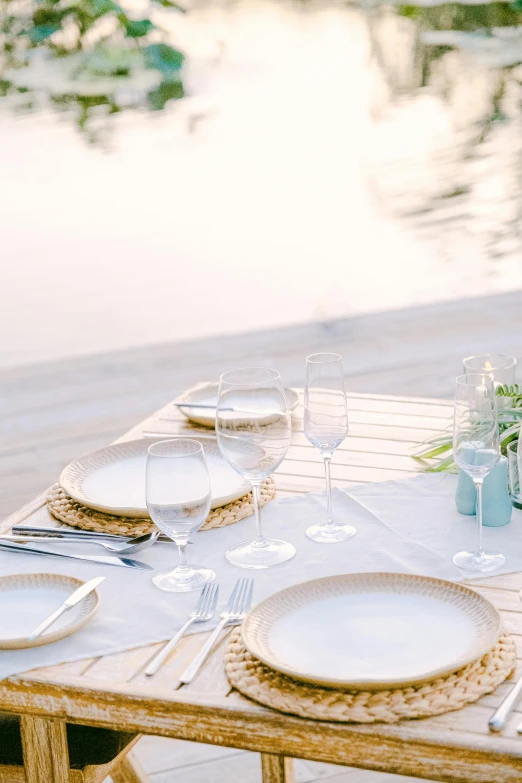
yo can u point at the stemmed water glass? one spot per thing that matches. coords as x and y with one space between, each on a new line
326 426
476 449
253 432
178 500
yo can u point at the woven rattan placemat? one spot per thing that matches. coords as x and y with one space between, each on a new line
67 510
451 692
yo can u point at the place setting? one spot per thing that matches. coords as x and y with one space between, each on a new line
332 610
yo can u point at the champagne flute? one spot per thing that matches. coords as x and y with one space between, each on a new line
326 426
253 432
476 449
178 500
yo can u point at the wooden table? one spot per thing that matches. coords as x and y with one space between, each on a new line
113 692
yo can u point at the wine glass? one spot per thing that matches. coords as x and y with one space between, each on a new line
326 426
476 449
178 501
253 432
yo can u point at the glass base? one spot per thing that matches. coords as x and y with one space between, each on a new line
487 560
332 534
248 554
175 581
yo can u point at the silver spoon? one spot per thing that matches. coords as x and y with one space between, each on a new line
129 547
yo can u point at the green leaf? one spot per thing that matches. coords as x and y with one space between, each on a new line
432 453
171 4
163 58
445 464
97 8
517 5
166 91
138 28
40 33
43 16
409 11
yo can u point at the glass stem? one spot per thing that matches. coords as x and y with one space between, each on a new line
259 539
182 564
329 513
478 487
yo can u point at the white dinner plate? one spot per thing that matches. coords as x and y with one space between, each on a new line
26 600
113 479
371 631
207 394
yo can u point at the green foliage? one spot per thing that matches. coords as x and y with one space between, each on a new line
136 29
163 58
510 419
167 91
465 17
41 32
409 11
70 39
513 393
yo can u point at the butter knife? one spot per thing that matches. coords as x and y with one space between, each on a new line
73 599
116 561
499 717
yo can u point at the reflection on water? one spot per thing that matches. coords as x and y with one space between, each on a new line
93 57
327 159
465 179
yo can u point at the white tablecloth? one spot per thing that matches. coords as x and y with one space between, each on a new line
406 526
422 510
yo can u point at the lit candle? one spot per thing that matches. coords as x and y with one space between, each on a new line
499 367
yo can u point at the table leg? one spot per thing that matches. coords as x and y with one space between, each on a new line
277 769
129 770
46 754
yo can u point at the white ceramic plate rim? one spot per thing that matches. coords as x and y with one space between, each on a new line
74 474
255 626
203 389
20 581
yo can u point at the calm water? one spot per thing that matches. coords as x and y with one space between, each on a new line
328 160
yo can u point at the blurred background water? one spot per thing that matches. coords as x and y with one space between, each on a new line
173 173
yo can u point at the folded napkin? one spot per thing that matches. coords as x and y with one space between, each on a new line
133 612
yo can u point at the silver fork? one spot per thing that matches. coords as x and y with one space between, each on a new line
203 611
234 613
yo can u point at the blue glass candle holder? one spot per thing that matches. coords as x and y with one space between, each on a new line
496 501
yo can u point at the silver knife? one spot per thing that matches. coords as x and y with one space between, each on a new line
501 714
75 533
73 599
116 561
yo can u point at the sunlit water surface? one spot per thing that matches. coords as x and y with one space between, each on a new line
324 163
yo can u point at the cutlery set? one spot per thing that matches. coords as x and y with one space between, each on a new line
121 546
236 609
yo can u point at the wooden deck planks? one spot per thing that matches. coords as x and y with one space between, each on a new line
52 412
